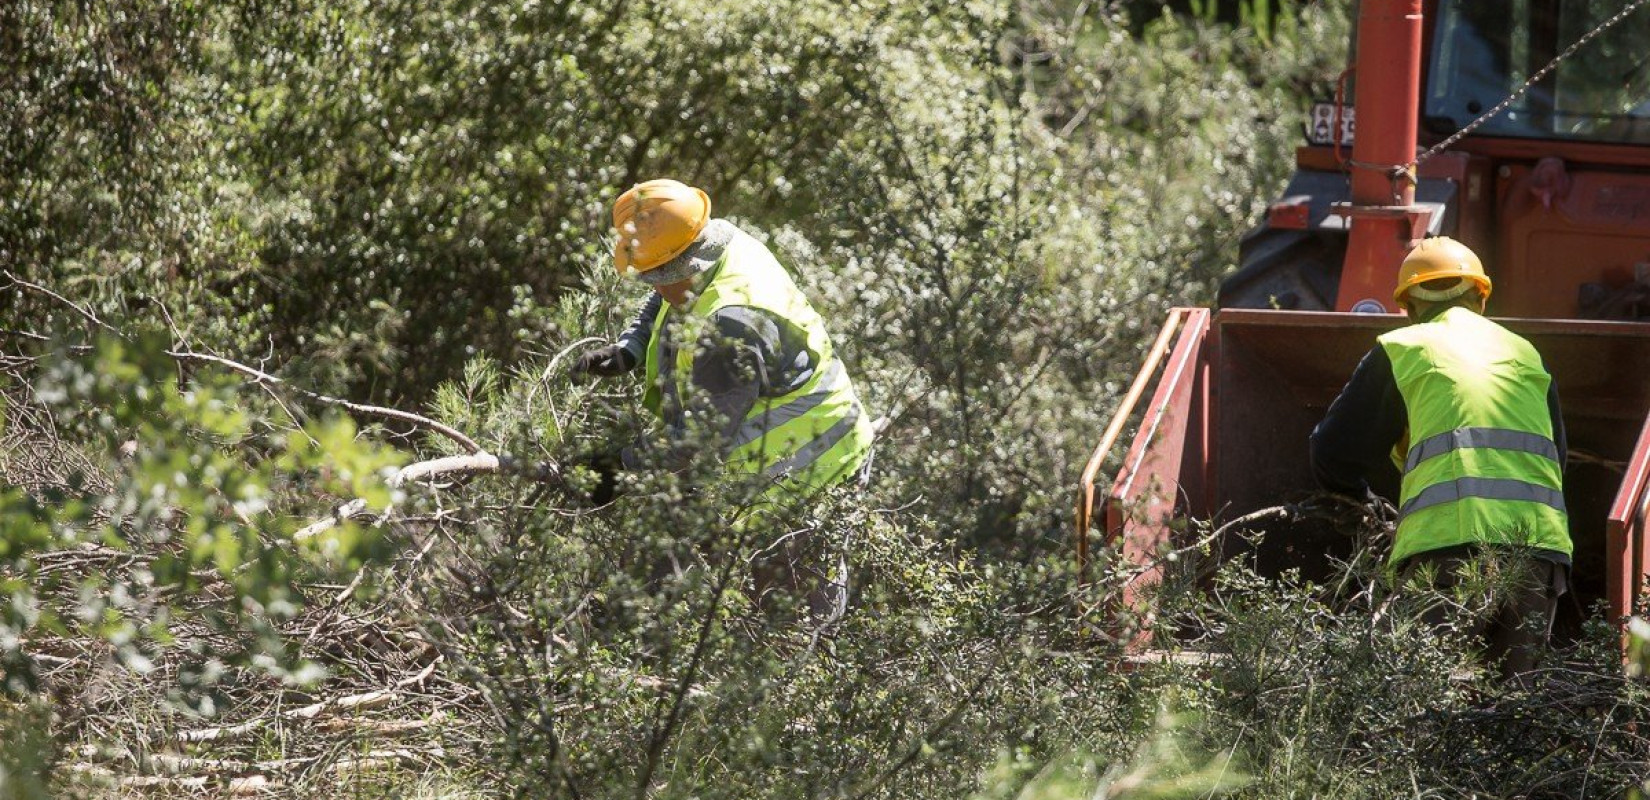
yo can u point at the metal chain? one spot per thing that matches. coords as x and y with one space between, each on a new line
1397 173
1534 79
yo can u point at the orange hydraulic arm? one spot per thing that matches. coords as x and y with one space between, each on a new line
1383 215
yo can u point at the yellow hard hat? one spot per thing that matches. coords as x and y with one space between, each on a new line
656 220
1438 258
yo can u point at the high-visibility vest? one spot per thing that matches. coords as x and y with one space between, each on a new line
805 440
1479 463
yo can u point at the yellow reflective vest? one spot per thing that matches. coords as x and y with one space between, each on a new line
1479 463
808 439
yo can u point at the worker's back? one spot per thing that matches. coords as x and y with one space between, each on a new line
1479 462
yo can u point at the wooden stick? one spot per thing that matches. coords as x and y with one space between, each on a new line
358 702
78 309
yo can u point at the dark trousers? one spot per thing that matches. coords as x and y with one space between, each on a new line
1504 599
802 566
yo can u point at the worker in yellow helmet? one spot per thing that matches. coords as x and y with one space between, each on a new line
1470 418
728 337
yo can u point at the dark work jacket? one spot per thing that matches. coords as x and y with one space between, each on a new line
749 354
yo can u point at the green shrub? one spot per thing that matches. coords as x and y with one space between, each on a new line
167 502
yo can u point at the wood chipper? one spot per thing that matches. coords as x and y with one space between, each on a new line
1521 129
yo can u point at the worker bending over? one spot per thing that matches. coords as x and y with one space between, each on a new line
1471 418
728 339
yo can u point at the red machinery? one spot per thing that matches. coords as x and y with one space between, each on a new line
1553 191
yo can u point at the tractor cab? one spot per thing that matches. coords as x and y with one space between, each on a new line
1481 53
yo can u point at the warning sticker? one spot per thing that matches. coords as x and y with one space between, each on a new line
1322 122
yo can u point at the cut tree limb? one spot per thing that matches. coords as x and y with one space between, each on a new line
477 460
422 470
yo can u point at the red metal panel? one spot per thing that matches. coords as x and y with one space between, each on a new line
1316 158
1562 228
1144 498
1626 535
1586 153
1290 213
1120 417
1639 534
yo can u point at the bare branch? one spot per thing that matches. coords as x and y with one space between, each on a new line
550 368
260 377
475 463
354 703
78 309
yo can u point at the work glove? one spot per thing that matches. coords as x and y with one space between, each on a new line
605 362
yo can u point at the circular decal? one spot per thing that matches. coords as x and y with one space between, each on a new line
1368 305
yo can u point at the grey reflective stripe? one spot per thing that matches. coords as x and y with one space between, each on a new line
1483 488
1491 438
833 380
807 454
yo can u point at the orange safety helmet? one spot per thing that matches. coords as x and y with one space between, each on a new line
656 220
1435 259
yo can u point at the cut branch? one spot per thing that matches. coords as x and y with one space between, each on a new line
422 470
78 309
357 702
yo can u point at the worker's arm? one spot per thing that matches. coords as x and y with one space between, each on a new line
631 348
635 339
729 374
749 354
1359 430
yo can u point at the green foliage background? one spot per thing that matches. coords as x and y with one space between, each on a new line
993 203
997 200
